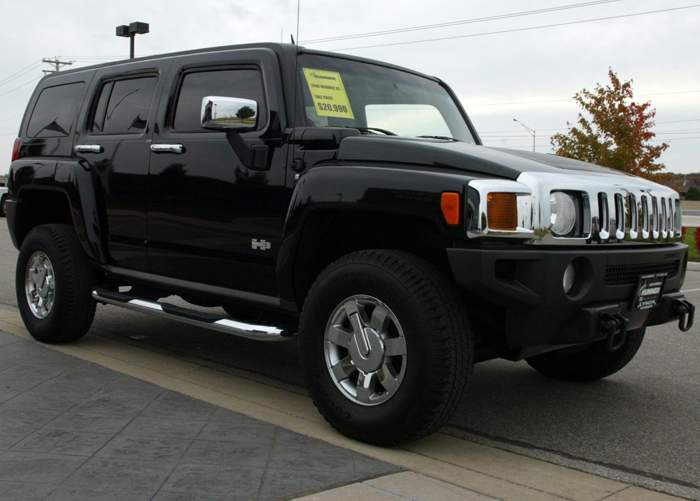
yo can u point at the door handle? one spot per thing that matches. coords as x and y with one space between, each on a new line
167 148
88 148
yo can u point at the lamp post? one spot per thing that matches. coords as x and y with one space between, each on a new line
533 132
131 31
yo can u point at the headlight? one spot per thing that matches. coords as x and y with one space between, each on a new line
563 211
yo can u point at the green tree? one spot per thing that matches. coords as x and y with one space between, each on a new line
617 134
245 112
693 193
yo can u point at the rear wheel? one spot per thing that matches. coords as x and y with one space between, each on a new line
588 363
386 347
53 285
3 206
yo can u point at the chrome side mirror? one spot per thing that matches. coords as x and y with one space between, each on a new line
229 113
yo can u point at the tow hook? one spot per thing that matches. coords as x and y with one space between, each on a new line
614 326
686 312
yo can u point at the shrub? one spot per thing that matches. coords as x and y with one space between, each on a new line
693 193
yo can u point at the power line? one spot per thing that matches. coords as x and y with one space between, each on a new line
8 119
517 29
678 121
457 23
572 99
26 83
21 72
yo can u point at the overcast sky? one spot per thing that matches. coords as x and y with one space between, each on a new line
501 69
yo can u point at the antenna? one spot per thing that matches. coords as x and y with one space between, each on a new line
298 16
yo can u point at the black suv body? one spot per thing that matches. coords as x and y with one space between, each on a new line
344 199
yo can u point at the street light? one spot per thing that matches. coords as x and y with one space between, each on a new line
131 31
533 132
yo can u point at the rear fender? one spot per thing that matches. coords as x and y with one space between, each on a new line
77 183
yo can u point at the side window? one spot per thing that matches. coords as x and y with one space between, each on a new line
55 111
123 106
243 83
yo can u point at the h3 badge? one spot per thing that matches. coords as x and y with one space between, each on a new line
260 244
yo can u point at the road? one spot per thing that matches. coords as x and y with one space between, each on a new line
642 424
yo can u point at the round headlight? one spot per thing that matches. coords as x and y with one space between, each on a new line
563 211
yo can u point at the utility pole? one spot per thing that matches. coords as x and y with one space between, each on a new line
532 132
56 62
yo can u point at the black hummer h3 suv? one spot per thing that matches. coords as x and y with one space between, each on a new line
343 199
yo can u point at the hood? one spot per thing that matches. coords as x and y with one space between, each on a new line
499 162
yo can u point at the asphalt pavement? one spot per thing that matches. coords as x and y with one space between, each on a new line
640 426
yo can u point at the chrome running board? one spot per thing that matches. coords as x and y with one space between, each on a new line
194 317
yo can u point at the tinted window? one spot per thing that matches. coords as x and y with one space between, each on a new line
55 111
99 121
246 84
124 105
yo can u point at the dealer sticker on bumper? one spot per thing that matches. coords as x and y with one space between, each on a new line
649 291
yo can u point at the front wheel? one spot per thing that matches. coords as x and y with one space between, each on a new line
386 347
53 285
590 362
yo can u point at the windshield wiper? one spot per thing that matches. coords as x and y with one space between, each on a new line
445 138
370 130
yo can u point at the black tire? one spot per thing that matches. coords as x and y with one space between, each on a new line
588 363
438 352
3 206
72 307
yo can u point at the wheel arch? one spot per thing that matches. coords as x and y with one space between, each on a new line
66 196
328 234
339 209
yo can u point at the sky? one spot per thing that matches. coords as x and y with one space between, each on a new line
502 64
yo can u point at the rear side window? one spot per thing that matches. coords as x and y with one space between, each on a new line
243 83
55 111
123 106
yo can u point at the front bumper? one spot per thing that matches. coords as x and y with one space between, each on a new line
526 284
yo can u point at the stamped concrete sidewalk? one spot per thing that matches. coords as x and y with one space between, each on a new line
101 420
71 429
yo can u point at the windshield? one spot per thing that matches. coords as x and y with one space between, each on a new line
377 100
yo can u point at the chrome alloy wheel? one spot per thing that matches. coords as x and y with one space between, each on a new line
365 350
40 285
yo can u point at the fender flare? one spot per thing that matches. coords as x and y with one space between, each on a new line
387 190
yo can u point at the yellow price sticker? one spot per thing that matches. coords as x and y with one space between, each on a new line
328 93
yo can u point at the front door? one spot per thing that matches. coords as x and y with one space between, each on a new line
210 219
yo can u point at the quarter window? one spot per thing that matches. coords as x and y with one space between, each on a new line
243 83
124 105
55 111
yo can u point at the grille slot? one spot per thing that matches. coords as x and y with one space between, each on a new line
629 273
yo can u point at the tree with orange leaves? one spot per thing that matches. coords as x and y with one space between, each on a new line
617 134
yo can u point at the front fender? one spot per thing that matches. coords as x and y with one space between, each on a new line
382 190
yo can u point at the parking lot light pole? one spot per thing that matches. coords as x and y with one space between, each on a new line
131 31
533 132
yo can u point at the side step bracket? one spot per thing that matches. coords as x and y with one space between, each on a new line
194 317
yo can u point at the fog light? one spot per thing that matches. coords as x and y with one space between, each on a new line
569 278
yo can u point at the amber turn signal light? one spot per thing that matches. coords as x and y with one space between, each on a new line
502 211
450 207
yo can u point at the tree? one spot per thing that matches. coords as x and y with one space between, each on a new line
693 193
617 134
245 112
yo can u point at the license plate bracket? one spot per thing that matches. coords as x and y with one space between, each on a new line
649 290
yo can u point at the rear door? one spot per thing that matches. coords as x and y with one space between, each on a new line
115 140
211 219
